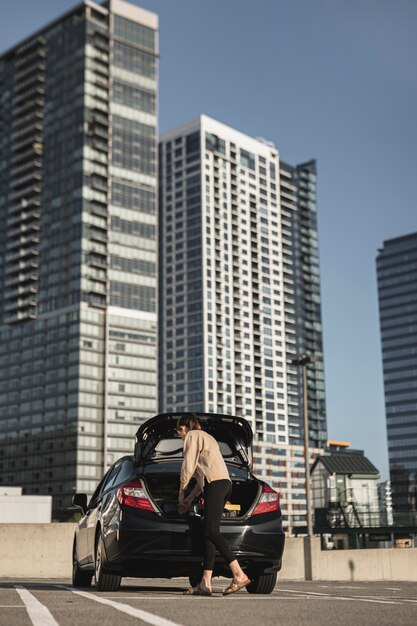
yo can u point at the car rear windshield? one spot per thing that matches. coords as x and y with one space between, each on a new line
173 448
174 467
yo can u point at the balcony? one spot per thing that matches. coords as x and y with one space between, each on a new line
97 259
33 178
19 278
19 316
31 140
31 51
21 303
34 162
37 66
23 230
99 145
22 243
27 106
98 235
33 84
97 300
36 90
23 217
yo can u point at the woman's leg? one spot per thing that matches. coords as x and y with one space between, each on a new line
215 496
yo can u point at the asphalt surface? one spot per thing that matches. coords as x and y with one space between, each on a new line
161 603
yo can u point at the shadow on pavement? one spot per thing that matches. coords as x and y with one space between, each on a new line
48 586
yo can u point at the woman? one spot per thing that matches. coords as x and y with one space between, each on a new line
202 458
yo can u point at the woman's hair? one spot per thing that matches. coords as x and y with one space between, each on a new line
189 420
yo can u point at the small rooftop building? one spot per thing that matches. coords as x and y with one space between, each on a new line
344 488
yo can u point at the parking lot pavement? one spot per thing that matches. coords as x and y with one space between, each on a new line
161 603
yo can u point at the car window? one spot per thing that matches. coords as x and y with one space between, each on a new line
112 477
173 467
173 447
119 473
98 490
169 447
126 471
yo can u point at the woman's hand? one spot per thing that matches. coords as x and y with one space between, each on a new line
184 504
181 498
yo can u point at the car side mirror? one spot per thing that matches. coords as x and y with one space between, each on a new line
80 500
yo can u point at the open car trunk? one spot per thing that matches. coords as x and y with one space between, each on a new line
163 490
159 453
157 438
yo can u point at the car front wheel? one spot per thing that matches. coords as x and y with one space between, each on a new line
264 583
104 580
80 578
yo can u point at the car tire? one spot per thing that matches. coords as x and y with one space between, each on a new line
104 580
80 578
264 583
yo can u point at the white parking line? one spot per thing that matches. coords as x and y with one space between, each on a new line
365 599
303 592
327 596
38 613
149 618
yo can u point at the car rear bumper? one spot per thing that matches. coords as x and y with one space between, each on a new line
174 548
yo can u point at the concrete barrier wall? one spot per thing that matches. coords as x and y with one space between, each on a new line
36 550
363 565
293 566
45 551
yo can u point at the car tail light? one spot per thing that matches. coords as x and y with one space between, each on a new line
134 495
268 502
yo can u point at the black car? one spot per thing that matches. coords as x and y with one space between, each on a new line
131 526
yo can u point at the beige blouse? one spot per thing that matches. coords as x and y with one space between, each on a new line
203 458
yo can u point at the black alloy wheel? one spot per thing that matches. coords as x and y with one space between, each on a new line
104 580
80 578
264 583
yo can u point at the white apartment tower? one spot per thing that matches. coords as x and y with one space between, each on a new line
229 296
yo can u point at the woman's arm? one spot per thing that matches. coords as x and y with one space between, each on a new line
185 503
189 464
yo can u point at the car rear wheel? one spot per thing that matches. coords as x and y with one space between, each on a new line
104 580
80 578
264 583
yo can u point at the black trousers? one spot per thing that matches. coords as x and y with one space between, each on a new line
216 494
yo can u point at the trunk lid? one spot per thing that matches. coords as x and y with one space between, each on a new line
156 439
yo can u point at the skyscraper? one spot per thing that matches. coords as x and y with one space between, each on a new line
397 280
301 273
77 247
239 292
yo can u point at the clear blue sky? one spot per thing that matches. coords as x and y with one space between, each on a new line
334 80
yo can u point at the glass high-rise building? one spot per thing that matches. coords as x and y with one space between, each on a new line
78 261
397 282
240 293
301 272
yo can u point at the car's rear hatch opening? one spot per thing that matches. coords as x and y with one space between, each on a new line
163 487
157 438
159 454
